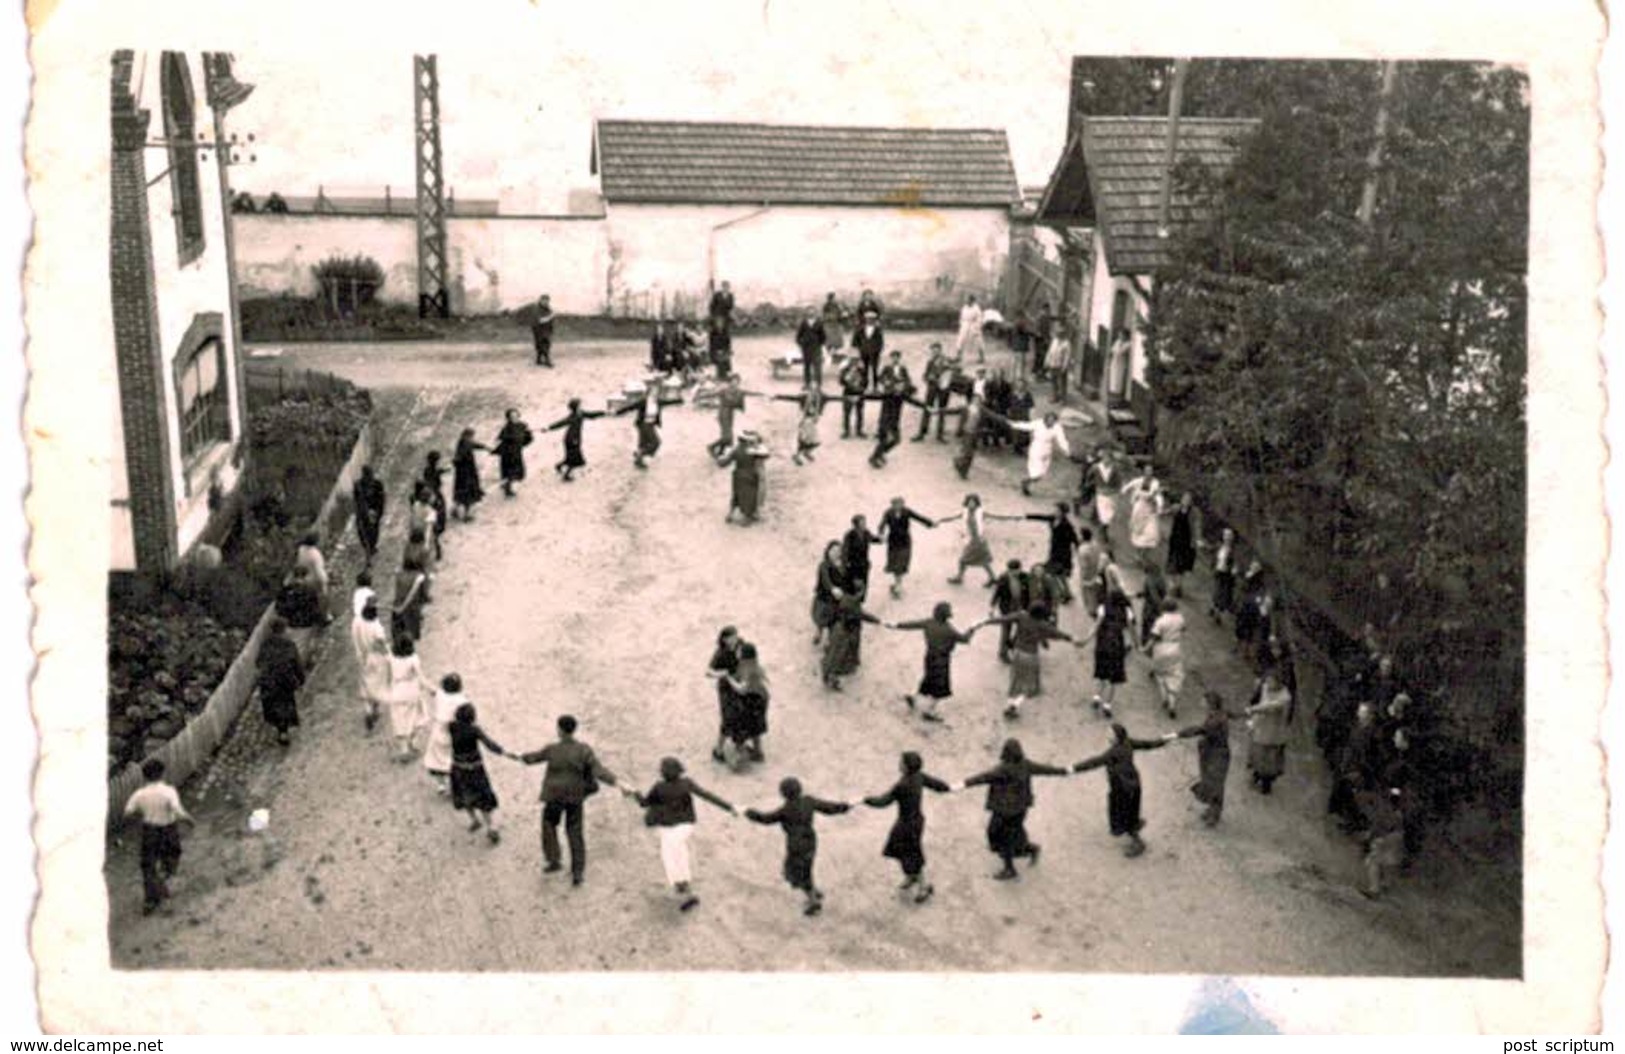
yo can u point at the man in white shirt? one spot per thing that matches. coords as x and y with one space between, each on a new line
159 806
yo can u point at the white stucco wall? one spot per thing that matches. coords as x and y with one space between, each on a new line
493 264
1104 286
793 255
183 293
644 254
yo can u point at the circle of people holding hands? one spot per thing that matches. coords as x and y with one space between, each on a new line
440 725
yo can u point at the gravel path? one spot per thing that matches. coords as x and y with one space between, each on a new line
602 598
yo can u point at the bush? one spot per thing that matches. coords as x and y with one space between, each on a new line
163 666
348 283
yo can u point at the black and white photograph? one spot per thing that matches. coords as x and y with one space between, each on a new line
804 499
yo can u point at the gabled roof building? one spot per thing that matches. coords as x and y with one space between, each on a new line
788 213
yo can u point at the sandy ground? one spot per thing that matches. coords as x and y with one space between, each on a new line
602 598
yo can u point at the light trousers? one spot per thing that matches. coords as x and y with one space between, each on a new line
674 852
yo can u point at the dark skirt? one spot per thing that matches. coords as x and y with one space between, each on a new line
937 682
1109 664
408 623
1181 546
798 865
281 708
1007 835
648 439
1215 768
823 611
732 708
1267 761
465 488
752 716
1224 591
1123 809
747 495
573 458
841 654
471 787
513 465
904 845
898 557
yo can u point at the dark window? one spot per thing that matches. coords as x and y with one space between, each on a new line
200 391
1119 313
180 132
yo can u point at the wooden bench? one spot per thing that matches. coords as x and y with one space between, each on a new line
1126 429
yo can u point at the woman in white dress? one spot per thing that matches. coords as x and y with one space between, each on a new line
405 692
1167 655
1048 437
437 751
1145 515
371 645
970 329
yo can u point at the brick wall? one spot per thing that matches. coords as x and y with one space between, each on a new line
142 398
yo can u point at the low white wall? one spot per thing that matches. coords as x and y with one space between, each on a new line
643 256
493 264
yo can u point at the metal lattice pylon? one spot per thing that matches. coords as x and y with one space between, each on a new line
431 210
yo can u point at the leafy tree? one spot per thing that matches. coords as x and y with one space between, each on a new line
1358 389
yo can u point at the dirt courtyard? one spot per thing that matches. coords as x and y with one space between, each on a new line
602 598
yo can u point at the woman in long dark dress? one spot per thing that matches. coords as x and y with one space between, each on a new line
827 590
1181 544
510 450
800 839
905 843
572 423
1123 782
1063 544
941 637
724 664
1212 757
843 653
751 690
1113 622
1009 798
470 785
466 491
280 673
746 457
894 530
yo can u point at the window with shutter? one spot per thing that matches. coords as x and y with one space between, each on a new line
180 132
201 394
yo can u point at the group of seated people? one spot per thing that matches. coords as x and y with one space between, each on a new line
675 348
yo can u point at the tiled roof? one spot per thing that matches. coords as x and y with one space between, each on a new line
735 164
1112 175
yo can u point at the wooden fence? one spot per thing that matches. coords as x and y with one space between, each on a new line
185 755
267 377
1030 279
